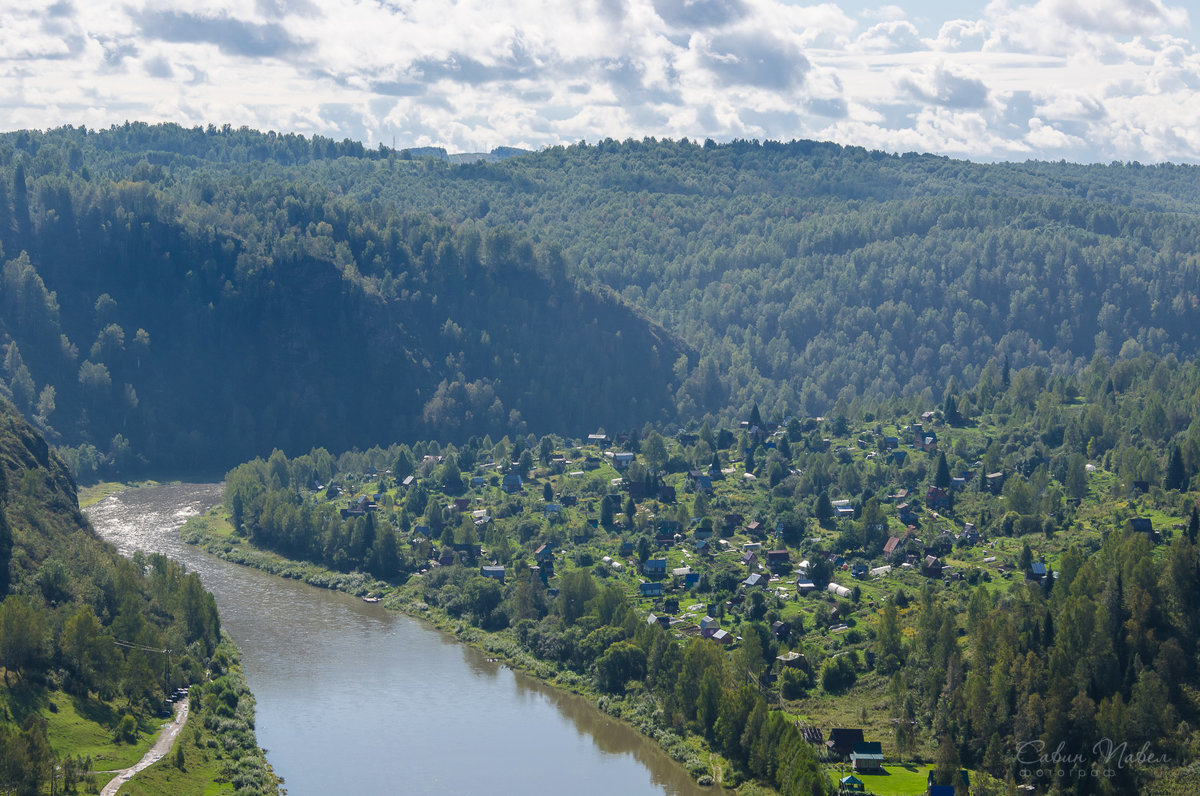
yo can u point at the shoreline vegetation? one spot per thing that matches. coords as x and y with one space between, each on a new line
212 533
216 751
217 746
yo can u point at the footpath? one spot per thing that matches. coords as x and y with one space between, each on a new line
163 745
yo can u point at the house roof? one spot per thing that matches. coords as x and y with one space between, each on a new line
845 737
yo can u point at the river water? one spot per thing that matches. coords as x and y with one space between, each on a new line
354 699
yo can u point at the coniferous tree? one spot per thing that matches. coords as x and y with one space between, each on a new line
1176 476
942 476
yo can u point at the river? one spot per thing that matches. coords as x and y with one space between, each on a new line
356 699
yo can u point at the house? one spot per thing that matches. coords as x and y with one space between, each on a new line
777 558
842 740
655 568
663 621
858 570
867 756
650 589
931 567
476 481
700 481
898 457
1036 572
665 540
994 482
906 514
958 483
748 558
469 550
495 571
722 637
754 527
666 494
511 483
544 554
755 580
703 533
937 498
890 547
781 629
891 443
621 459
708 626
598 439
804 585
1143 525
843 512
964 784
929 443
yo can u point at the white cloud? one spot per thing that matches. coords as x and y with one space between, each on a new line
1087 79
890 37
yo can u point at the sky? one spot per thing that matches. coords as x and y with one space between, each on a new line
1080 80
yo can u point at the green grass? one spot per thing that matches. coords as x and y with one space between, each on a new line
91 495
202 774
83 728
79 727
900 780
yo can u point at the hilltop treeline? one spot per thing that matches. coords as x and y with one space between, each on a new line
206 295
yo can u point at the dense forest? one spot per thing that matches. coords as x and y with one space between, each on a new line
189 298
146 327
84 632
1012 579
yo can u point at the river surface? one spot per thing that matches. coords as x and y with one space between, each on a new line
355 699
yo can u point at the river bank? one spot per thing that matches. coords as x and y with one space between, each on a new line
353 697
212 533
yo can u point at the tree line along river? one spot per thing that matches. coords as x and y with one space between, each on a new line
353 698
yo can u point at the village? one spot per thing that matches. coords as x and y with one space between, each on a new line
722 551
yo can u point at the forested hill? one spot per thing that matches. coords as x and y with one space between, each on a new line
804 272
301 291
177 317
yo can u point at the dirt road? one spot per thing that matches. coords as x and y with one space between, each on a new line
163 745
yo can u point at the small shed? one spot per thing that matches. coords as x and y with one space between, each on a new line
867 756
